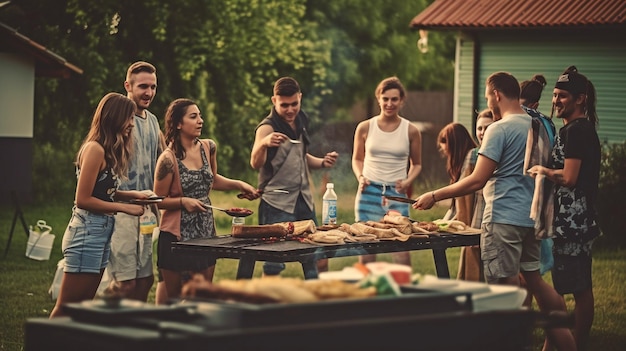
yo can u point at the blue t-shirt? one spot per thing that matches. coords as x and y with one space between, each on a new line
509 192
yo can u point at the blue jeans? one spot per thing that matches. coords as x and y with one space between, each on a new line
269 214
87 241
369 206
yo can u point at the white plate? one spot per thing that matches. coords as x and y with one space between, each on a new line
347 274
501 297
432 282
150 200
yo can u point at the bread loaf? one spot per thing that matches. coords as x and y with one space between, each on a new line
306 226
394 219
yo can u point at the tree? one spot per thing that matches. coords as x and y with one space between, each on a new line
225 55
371 40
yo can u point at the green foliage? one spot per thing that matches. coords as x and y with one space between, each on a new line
612 192
372 40
223 54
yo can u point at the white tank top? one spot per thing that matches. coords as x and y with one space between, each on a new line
386 153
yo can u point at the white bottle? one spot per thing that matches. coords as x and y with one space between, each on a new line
329 205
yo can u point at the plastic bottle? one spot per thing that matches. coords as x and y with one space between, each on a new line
329 205
147 221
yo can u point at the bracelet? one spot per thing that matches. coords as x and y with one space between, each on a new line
433 194
323 163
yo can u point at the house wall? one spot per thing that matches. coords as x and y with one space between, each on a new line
17 90
524 53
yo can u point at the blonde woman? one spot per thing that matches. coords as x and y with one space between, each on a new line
102 162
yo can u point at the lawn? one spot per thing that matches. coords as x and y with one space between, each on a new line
24 282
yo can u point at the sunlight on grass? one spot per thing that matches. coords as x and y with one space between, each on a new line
24 282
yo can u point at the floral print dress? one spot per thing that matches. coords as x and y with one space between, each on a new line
197 184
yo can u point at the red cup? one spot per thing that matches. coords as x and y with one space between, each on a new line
401 276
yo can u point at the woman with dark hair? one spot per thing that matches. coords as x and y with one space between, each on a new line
455 142
470 264
538 150
101 163
530 91
186 173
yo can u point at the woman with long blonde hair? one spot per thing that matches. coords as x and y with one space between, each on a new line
101 162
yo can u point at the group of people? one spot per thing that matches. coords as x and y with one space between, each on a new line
125 158
511 232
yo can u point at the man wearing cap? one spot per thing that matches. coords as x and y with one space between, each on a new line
575 171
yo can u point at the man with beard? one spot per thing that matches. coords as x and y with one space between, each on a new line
508 244
130 265
575 171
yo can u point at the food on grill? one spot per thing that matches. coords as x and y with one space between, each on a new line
332 236
328 227
262 230
360 228
274 290
395 219
306 226
403 228
454 226
239 212
424 227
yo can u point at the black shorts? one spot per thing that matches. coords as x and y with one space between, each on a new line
572 274
166 259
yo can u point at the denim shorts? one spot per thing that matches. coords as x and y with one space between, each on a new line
369 206
87 242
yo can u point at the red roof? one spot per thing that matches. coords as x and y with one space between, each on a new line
481 14
47 63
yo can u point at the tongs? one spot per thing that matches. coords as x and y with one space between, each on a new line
400 199
277 191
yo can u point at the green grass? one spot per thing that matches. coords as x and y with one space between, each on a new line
24 282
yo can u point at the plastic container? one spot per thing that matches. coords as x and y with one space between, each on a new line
40 242
329 205
147 221
237 221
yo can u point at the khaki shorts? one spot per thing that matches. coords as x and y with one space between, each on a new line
131 252
508 249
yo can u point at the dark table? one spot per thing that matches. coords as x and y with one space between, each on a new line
248 251
493 331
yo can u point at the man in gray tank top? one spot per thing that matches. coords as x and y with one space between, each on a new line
280 154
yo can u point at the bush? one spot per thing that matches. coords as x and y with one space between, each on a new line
54 174
612 192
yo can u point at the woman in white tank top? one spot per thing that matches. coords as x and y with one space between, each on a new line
387 158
